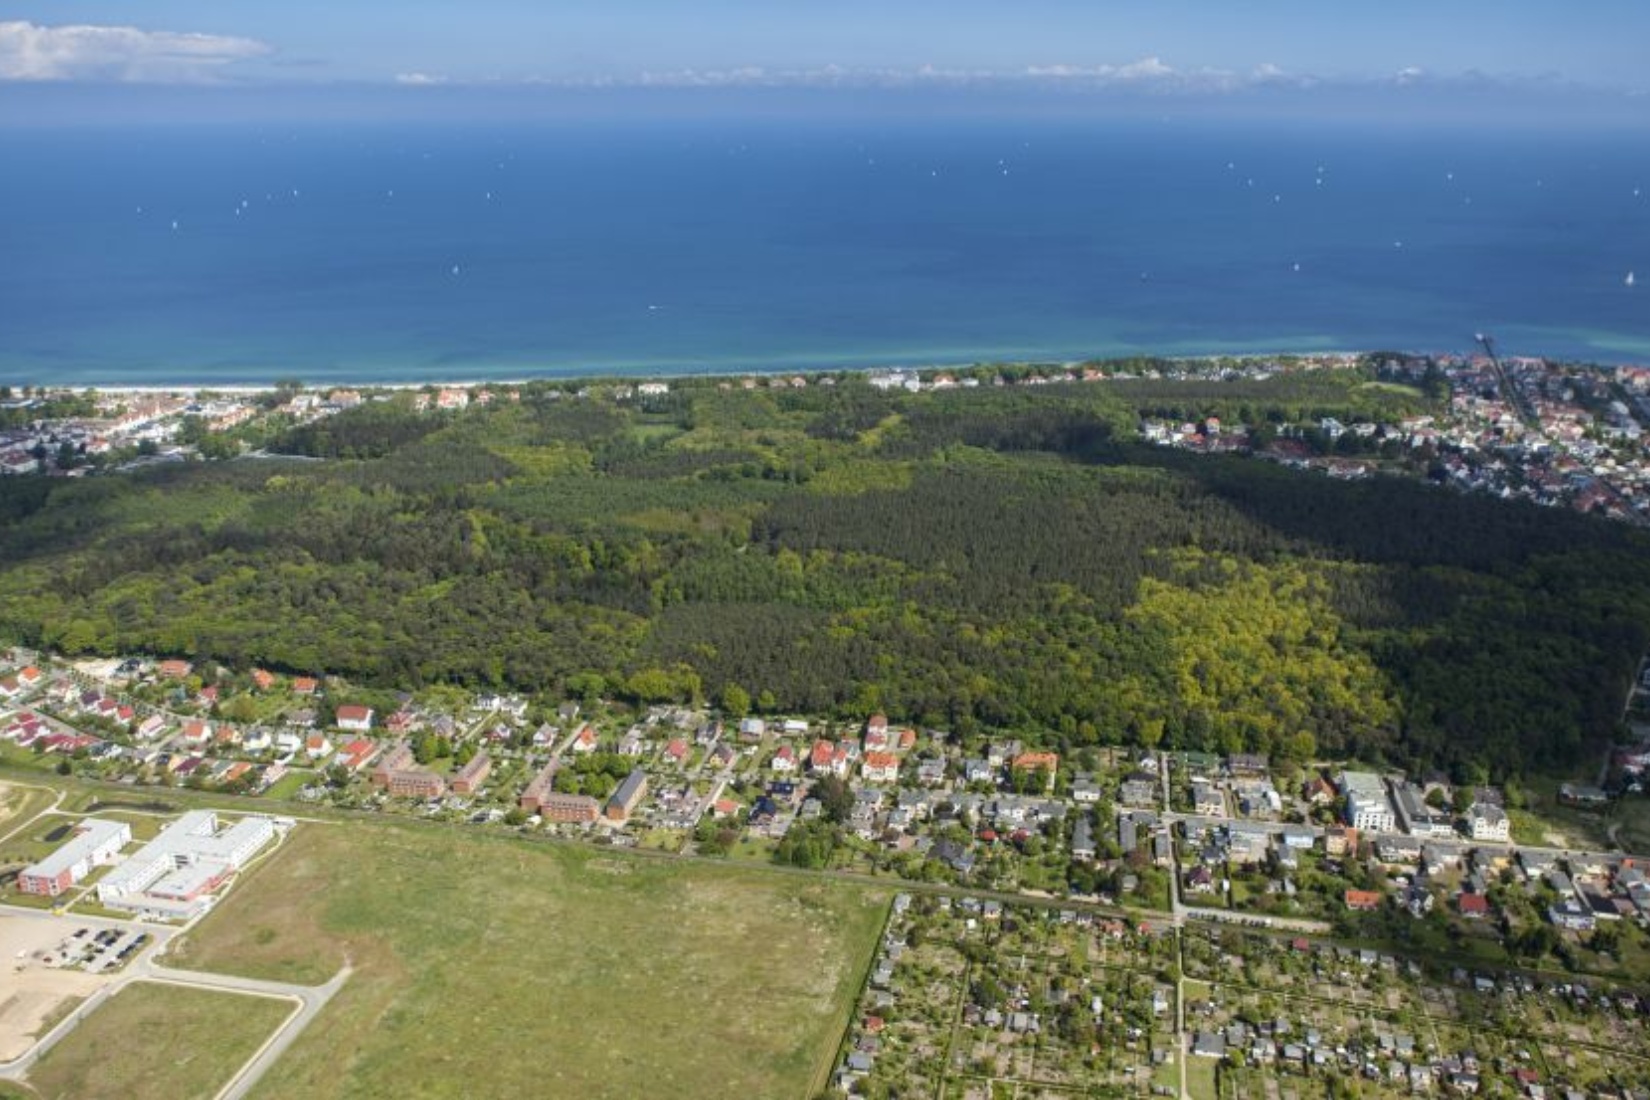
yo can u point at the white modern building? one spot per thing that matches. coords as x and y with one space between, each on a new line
174 874
1367 806
97 841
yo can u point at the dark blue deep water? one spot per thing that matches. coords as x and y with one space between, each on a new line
401 254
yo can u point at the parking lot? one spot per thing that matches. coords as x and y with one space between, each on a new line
95 952
37 991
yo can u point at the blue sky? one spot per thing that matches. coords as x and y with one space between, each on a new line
1595 42
1305 51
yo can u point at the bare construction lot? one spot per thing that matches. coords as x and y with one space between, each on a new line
36 993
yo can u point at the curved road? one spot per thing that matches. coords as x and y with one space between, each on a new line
307 1002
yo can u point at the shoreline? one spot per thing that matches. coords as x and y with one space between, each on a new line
669 374
640 375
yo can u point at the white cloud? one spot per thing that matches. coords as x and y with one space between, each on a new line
29 52
419 80
1148 74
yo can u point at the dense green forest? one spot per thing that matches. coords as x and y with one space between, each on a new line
991 558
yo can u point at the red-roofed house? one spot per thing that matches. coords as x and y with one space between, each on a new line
317 745
880 767
585 739
1037 761
69 742
305 685
197 733
354 717
907 739
356 755
262 679
1363 901
1046 762
876 732
175 670
1318 791
29 676
677 750
1473 906
785 759
819 757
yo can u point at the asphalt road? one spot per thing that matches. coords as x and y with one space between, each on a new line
307 1000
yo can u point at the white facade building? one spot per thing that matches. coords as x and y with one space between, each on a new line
1367 807
174 874
1487 821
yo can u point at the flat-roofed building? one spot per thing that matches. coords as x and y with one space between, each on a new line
97 841
1367 806
174 874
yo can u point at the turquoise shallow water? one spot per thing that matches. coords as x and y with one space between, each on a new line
218 255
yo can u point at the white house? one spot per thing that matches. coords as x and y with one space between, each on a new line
1487 821
357 719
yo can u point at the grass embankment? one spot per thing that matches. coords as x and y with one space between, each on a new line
489 966
164 1042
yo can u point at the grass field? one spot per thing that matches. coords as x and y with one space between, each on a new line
1201 1080
158 1041
492 966
18 804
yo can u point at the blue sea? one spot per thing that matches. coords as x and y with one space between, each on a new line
196 254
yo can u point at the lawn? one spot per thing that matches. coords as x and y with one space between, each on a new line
115 1052
289 785
494 966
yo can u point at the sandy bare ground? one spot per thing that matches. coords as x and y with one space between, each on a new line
29 989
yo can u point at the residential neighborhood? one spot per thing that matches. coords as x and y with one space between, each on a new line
1126 851
1558 434
1228 837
